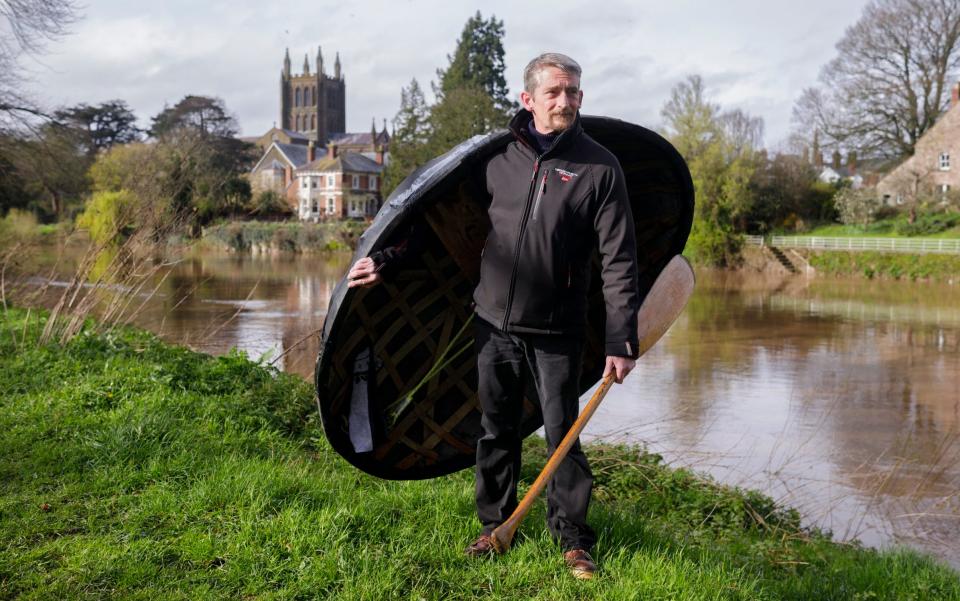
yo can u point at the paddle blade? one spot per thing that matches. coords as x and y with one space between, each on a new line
664 302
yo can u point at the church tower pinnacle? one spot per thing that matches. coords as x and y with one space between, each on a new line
336 67
312 103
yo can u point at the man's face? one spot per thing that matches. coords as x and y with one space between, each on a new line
555 102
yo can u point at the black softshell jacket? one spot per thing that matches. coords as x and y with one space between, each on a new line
547 213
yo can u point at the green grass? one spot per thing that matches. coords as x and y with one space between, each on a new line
933 225
896 266
132 469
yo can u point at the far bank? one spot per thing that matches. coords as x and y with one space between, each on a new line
260 237
943 268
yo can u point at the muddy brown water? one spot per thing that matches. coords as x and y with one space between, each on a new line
840 398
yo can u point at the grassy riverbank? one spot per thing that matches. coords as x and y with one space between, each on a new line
942 268
134 469
928 225
284 236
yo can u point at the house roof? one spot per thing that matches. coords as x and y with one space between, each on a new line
294 154
359 139
345 161
355 139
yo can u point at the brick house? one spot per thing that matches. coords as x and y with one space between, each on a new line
275 171
339 185
934 168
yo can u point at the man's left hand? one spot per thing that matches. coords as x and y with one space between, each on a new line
619 367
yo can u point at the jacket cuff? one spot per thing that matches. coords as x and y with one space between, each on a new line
626 349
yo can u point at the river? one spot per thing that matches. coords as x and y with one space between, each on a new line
840 398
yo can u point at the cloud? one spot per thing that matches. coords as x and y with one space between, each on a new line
754 57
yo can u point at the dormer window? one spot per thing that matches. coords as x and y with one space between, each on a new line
944 161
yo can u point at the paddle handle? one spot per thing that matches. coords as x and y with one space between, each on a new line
503 535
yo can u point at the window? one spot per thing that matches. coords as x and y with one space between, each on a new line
303 181
313 182
944 161
944 188
296 99
331 206
298 123
306 97
330 181
313 122
316 207
373 182
356 182
899 199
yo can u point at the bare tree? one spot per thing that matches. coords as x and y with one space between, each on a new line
890 79
743 131
25 27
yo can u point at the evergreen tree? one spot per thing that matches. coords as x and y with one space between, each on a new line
104 125
478 61
472 98
463 113
202 115
411 131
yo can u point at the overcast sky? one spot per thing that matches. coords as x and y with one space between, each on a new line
756 55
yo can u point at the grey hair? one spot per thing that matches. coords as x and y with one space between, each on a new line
532 72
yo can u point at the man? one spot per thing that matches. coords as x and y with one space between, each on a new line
555 195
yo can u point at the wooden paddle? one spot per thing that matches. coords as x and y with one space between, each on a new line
659 310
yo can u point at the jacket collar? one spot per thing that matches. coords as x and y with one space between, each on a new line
518 126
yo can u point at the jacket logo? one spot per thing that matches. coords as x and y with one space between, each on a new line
565 175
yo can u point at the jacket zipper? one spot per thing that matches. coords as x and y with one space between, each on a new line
536 204
516 252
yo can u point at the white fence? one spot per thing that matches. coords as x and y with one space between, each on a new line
895 245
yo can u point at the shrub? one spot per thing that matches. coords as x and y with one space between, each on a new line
108 216
715 244
929 223
18 227
857 207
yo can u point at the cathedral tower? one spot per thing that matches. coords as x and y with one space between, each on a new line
313 103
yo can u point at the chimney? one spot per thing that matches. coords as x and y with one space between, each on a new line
955 95
332 150
852 162
380 154
287 175
311 152
836 159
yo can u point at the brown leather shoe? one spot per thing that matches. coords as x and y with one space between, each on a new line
481 547
580 563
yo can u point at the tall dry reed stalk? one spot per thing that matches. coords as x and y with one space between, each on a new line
112 281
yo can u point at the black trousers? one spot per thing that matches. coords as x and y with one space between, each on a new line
504 363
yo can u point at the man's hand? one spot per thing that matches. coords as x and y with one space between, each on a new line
363 273
619 367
